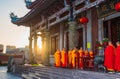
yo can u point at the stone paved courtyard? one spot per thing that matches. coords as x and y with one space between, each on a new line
43 72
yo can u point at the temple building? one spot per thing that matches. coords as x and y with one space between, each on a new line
1 48
57 23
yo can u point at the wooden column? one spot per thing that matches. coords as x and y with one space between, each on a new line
85 26
42 47
61 35
95 28
31 58
109 30
46 53
35 47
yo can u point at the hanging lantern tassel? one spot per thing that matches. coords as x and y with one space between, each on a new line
117 7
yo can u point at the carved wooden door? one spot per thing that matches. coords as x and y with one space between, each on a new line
80 37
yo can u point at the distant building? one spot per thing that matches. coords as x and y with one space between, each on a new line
1 48
18 51
10 49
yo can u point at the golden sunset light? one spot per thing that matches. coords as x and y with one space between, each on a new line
39 43
60 39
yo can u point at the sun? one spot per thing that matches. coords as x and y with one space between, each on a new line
39 42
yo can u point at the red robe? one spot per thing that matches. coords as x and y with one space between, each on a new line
117 59
81 53
109 57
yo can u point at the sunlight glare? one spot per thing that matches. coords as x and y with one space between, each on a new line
39 42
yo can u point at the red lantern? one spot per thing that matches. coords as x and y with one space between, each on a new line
117 6
83 20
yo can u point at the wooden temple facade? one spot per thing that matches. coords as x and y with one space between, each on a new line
52 19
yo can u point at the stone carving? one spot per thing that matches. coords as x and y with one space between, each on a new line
98 63
10 64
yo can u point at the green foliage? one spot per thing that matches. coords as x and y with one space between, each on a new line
105 40
97 42
103 43
4 64
35 65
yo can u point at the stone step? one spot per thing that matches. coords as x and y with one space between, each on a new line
26 76
62 73
52 73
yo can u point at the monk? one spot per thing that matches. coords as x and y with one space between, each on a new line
86 53
91 62
75 58
109 56
70 58
117 57
91 54
57 56
81 53
86 58
64 58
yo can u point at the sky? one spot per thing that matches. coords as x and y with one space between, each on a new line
11 34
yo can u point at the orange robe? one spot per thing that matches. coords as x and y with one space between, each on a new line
57 56
109 57
81 53
64 58
117 59
91 54
70 58
74 58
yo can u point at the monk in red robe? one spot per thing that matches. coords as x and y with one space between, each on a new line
86 58
109 57
86 53
81 53
117 57
64 58
91 62
57 56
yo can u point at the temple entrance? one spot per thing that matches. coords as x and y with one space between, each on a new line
111 30
80 37
54 44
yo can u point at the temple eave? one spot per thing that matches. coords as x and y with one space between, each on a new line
20 23
34 12
32 5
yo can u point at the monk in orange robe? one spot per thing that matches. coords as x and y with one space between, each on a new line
57 56
117 57
109 57
74 57
81 53
64 58
70 58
